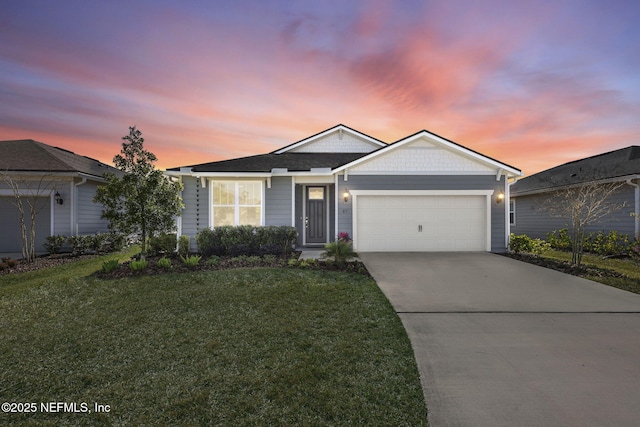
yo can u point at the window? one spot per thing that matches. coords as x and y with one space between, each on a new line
512 212
237 203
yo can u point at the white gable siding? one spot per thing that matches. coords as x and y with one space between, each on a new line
337 142
422 157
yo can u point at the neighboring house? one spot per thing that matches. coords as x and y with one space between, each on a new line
421 193
529 194
60 182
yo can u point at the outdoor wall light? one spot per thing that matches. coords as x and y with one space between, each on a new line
345 195
58 198
500 197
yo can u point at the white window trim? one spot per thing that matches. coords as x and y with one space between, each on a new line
236 205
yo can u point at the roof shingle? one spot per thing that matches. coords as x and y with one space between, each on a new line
611 165
27 155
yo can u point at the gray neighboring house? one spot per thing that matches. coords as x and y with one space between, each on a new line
421 193
528 194
64 183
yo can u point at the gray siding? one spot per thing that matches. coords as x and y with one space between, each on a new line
532 220
88 217
195 215
426 182
277 203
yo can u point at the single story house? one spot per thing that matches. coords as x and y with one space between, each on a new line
421 193
60 184
621 166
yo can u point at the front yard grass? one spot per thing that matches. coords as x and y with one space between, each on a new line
262 346
627 269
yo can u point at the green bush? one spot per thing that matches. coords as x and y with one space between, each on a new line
138 265
524 243
191 261
559 240
208 243
340 251
213 260
79 244
164 243
246 240
115 241
184 244
98 242
110 265
53 244
164 262
612 243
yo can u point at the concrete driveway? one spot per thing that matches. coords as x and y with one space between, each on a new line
499 342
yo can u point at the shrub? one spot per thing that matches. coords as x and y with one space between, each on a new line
78 244
54 244
110 265
138 265
240 249
98 243
191 261
207 242
524 243
254 260
116 241
213 260
292 262
184 244
612 243
164 262
340 251
246 240
269 259
164 243
559 239
634 249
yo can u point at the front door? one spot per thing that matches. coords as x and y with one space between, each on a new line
316 215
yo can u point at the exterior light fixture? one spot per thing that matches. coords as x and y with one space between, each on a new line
500 197
345 195
58 198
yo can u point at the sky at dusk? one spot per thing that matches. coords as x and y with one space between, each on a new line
532 83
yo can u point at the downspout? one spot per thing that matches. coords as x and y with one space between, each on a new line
507 207
636 208
74 206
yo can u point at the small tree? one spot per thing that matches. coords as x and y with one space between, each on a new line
581 206
143 200
29 197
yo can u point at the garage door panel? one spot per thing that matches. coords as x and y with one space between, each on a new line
421 223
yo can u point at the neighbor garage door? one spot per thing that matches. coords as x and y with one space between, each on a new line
10 235
421 223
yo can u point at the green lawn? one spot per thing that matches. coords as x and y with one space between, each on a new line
260 346
624 266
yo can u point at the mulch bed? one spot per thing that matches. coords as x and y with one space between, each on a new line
43 262
565 266
224 263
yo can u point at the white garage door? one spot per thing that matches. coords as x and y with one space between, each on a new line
421 223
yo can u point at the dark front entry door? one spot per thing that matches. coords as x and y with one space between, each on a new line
316 220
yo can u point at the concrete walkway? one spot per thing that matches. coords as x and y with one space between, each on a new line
499 342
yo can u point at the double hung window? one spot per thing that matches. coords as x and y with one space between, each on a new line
237 203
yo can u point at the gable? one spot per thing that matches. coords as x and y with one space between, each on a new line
423 156
339 139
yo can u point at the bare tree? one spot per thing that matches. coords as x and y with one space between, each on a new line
27 198
581 206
